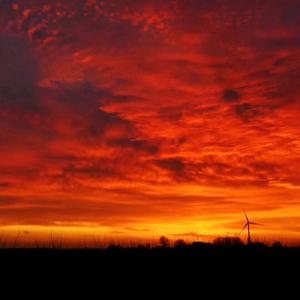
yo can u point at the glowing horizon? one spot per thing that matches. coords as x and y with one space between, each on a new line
151 117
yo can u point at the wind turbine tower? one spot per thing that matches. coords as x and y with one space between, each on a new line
248 223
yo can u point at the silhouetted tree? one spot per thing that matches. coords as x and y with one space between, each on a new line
277 245
179 243
164 242
257 246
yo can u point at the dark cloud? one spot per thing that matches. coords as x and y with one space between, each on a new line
247 111
175 166
5 185
279 43
19 66
172 114
18 74
6 200
231 95
86 121
101 169
264 166
214 171
134 144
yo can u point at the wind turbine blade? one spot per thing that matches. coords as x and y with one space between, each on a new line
252 223
244 227
245 215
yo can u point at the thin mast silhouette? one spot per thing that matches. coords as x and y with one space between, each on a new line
248 223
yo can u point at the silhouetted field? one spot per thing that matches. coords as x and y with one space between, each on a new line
196 265
195 254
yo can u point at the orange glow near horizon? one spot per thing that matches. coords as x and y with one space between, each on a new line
133 119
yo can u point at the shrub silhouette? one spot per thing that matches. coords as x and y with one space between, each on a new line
164 242
179 243
277 245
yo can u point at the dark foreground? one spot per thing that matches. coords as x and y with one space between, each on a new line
198 255
191 267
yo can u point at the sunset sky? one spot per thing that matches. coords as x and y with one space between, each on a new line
137 118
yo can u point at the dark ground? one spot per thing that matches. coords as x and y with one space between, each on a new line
192 267
197 255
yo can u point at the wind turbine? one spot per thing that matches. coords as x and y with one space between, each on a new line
248 223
